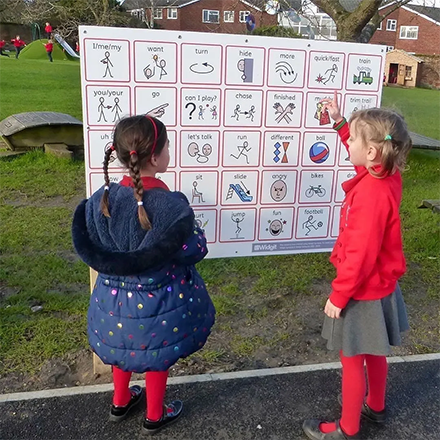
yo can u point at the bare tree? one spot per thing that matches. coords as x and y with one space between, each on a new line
356 20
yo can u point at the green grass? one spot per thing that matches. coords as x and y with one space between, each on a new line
421 108
38 265
38 85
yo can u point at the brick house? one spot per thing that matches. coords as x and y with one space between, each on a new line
225 16
412 28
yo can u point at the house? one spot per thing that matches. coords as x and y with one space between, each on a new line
224 16
402 69
412 28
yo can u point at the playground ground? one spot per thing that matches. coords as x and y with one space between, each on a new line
269 308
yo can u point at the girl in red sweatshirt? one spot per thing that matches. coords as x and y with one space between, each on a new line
2 47
365 313
18 44
49 49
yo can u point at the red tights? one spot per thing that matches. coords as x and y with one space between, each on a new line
354 387
155 385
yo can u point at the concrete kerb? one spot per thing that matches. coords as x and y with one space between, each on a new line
209 377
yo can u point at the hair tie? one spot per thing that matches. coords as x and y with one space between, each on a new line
140 203
133 152
388 137
155 133
112 148
106 188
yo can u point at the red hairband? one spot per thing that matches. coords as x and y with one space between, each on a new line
155 133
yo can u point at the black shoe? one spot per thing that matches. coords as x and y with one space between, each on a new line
312 431
369 414
119 413
171 413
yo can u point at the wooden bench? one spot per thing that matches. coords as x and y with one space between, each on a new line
434 205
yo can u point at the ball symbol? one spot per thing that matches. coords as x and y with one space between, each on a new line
319 152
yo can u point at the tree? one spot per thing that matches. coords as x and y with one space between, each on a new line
356 20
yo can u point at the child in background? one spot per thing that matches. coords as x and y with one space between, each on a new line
365 313
18 44
77 47
2 45
49 49
149 306
48 30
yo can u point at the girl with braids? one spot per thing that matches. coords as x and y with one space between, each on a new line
365 313
149 306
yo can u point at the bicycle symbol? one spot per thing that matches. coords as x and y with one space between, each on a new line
315 190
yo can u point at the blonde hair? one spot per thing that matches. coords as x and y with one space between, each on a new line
135 140
387 131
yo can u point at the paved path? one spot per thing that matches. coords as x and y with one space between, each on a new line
253 408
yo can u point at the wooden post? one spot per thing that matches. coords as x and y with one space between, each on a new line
98 366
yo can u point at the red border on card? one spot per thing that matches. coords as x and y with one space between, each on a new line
284 127
254 202
276 238
104 79
282 202
103 86
201 45
200 172
287 85
248 127
312 207
335 192
149 88
324 164
196 164
219 107
379 79
280 165
342 74
333 219
319 127
245 48
153 42
236 241
314 202
241 166
215 224
90 155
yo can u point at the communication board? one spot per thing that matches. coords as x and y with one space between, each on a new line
251 146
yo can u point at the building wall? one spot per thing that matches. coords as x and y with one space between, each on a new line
429 71
189 18
428 41
402 58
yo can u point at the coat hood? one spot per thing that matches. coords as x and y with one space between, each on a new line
117 245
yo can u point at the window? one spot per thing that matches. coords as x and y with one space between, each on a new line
228 16
389 48
391 25
243 15
172 13
158 14
138 13
409 32
408 70
210 16
379 28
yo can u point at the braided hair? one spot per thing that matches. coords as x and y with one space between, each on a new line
135 140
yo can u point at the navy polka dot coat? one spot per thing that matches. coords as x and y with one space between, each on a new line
149 306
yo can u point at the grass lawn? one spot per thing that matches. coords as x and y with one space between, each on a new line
38 266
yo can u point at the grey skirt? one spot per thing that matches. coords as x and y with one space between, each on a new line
368 327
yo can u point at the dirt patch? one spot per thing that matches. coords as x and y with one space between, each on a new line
274 330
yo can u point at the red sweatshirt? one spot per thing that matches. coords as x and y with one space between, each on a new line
368 254
48 29
149 182
2 44
49 47
18 43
